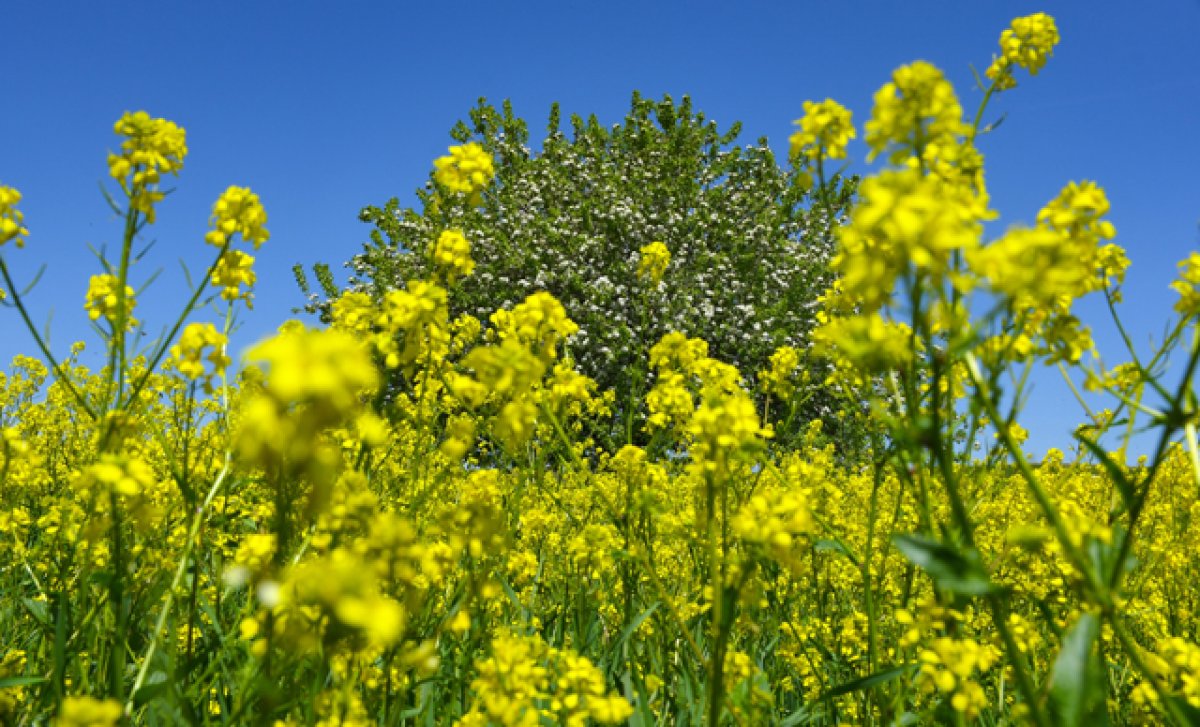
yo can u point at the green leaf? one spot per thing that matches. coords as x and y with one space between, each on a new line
1115 473
1077 681
635 623
11 682
870 681
825 545
1182 707
958 570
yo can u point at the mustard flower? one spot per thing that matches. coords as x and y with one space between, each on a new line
117 474
315 380
777 379
676 352
904 218
825 131
88 712
1188 286
187 355
916 108
724 427
867 342
451 253
540 322
468 169
104 299
238 211
233 270
652 264
11 217
1026 44
152 147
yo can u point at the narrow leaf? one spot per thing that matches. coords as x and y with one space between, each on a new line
1076 682
958 570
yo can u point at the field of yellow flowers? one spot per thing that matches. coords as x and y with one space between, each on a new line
405 519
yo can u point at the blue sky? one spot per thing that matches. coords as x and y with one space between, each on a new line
323 108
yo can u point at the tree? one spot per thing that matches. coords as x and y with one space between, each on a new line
749 241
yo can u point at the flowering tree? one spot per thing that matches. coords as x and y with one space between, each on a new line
740 244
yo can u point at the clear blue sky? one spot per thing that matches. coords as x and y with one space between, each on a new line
324 107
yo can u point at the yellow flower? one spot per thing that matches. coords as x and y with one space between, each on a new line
903 219
867 342
88 712
152 147
778 378
238 211
233 270
467 170
918 107
188 353
104 299
451 252
1027 44
653 262
11 217
1188 286
825 131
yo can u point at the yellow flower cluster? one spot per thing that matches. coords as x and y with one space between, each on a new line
451 253
539 322
88 712
825 131
11 218
1188 286
188 353
652 263
233 270
953 667
315 380
904 218
1026 44
467 170
237 211
104 299
152 147
917 108
526 683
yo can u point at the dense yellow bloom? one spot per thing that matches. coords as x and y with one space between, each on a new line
903 219
526 682
777 379
152 147
1049 266
315 380
11 217
825 131
540 322
467 170
104 299
188 354
1026 44
676 352
918 107
233 270
237 211
88 712
867 342
451 253
952 667
652 263
724 427
117 474
774 521
1188 286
